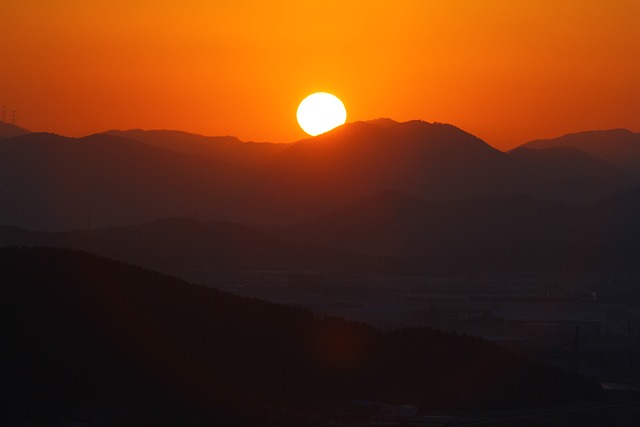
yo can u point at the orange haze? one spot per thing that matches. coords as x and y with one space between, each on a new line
507 71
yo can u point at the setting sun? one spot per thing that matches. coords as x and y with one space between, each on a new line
320 112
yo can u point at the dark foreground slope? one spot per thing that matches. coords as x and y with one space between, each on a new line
90 339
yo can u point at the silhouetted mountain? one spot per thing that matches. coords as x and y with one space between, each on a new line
226 148
573 176
9 130
437 162
49 182
510 233
85 338
52 182
620 147
429 160
384 122
183 247
494 233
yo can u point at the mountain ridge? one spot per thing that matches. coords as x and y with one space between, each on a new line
9 130
226 148
385 233
53 182
573 175
620 147
500 233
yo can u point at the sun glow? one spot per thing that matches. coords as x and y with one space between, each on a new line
320 112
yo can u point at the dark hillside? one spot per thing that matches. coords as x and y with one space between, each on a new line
85 335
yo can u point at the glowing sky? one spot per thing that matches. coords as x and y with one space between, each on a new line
507 71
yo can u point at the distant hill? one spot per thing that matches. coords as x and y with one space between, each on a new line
619 147
493 233
226 148
183 247
9 130
388 232
98 341
53 182
573 176
508 233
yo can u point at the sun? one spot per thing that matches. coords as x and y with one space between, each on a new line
320 112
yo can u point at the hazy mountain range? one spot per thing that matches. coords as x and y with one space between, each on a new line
503 233
377 196
619 147
50 182
389 232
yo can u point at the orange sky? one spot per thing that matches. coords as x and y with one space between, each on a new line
507 71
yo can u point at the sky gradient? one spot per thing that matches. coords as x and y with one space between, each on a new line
505 71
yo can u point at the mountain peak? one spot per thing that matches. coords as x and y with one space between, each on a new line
225 148
619 147
382 122
37 138
145 135
413 130
585 138
9 130
604 132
